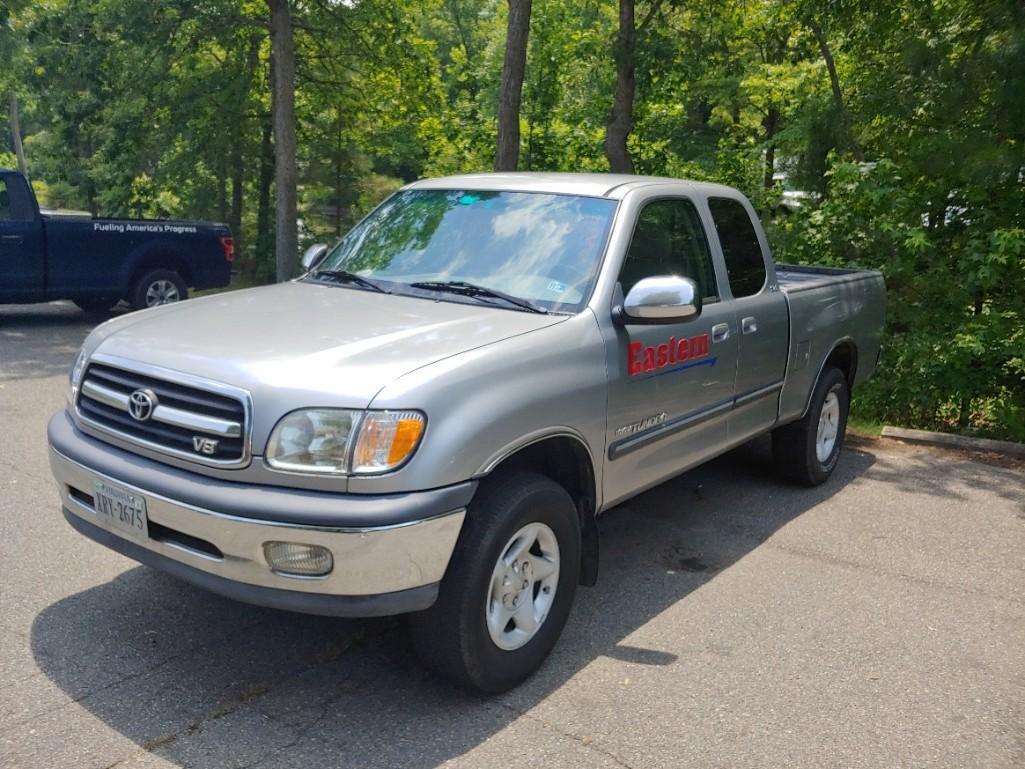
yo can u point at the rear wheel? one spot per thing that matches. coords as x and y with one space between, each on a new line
509 587
159 287
807 451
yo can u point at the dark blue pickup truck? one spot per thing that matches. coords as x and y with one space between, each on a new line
98 262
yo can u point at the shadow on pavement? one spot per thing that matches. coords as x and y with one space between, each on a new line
200 680
1004 478
41 340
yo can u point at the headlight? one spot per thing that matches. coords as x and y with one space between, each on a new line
312 441
342 441
75 377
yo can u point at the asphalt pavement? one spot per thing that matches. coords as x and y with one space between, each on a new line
877 621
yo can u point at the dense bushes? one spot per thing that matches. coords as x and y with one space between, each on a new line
162 107
955 271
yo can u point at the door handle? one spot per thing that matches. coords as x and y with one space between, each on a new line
720 332
749 325
15 239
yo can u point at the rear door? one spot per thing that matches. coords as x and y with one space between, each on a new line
671 384
22 245
762 317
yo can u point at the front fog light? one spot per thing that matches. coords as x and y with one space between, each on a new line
294 559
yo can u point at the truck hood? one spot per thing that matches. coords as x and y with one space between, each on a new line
303 344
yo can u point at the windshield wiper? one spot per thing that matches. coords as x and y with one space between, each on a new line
344 276
473 290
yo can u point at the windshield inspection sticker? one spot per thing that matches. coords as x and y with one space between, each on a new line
689 352
556 286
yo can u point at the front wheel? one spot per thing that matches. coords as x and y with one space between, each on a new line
158 287
807 451
509 587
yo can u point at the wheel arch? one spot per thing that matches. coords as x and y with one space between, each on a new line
844 356
564 457
159 257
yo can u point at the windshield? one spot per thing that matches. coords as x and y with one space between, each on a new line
539 247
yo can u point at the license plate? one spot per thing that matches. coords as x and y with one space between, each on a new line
123 510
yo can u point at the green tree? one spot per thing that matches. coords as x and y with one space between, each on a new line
901 123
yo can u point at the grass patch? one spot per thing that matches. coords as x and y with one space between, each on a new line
864 428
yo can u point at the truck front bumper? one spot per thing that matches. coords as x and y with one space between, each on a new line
389 551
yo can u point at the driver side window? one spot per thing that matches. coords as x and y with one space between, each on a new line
5 201
15 203
669 240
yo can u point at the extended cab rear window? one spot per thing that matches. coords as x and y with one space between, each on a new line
745 264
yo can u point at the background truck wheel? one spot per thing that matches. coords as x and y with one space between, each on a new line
806 451
158 287
509 587
96 303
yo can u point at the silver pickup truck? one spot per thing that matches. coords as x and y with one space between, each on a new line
431 419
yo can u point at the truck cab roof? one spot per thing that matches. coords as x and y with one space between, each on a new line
614 186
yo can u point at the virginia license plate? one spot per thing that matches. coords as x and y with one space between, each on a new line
122 509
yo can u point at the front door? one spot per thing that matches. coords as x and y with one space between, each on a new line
670 385
21 241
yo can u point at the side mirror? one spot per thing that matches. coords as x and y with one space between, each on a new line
314 255
663 299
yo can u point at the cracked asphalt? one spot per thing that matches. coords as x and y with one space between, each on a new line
877 621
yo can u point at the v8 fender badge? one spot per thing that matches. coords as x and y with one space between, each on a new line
643 359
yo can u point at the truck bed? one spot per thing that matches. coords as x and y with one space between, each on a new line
796 277
826 304
88 255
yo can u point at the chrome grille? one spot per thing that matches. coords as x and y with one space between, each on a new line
182 419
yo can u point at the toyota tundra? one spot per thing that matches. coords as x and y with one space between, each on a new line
432 418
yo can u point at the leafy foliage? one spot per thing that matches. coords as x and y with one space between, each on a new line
162 108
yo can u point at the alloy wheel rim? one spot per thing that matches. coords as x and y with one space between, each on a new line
829 427
161 292
522 587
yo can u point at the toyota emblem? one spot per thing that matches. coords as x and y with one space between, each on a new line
141 404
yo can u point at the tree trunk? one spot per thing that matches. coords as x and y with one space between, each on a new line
771 124
263 234
834 83
507 154
964 417
237 179
238 163
621 116
530 143
19 149
223 183
286 230
338 173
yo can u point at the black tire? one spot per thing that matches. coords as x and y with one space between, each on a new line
452 637
794 447
94 304
154 279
